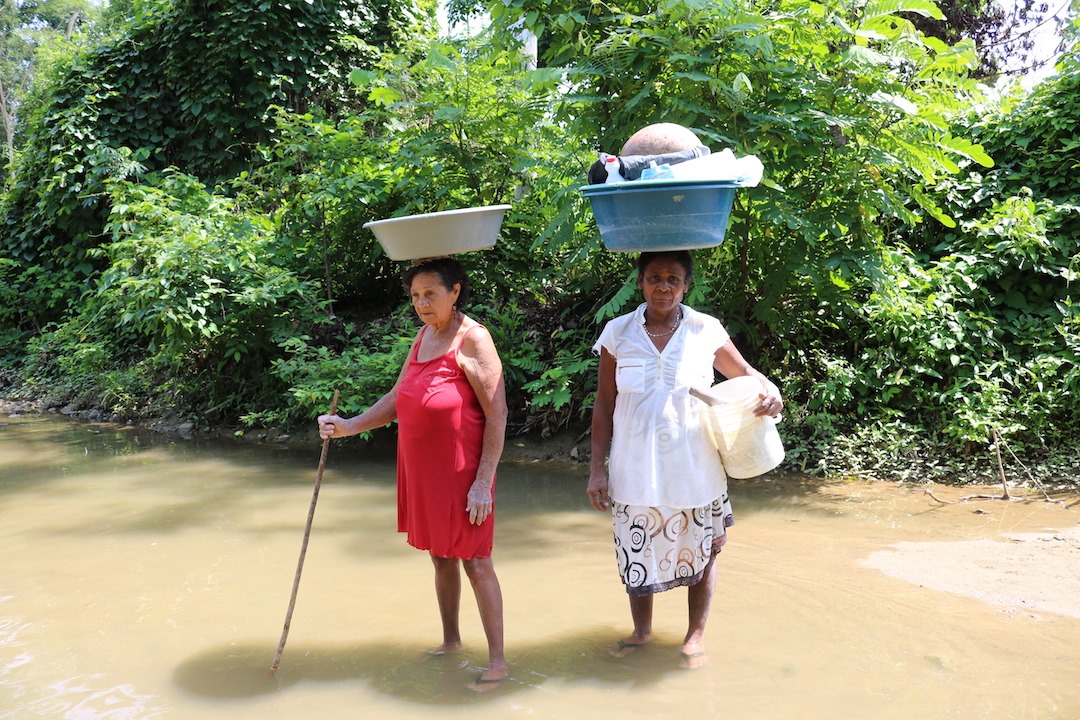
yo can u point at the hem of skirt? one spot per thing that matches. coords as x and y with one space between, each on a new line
449 556
664 586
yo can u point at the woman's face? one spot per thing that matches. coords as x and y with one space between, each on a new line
433 303
663 283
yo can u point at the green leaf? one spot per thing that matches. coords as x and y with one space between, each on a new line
449 114
860 56
888 8
966 148
437 58
384 96
742 84
1016 300
614 306
927 203
361 78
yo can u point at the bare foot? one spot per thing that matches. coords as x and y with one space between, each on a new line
693 656
627 646
445 649
490 679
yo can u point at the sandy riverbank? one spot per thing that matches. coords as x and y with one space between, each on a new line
1032 572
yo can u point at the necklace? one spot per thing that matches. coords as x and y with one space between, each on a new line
667 332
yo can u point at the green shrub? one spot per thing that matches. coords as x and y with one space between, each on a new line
364 369
198 288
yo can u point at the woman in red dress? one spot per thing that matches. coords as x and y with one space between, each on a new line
450 404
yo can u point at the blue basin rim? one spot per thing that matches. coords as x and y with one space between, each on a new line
646 185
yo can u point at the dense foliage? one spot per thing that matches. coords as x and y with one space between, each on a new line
904 272
189 84
26 29
856 136
463 126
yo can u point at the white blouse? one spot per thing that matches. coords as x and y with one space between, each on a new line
661 454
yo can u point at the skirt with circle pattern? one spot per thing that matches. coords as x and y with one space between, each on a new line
660 548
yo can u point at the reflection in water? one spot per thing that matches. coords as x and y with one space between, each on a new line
147 577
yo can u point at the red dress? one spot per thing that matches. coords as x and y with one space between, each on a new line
440 436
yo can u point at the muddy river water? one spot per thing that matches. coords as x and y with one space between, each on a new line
145 576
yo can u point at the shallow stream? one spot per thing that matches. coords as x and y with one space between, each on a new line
145 576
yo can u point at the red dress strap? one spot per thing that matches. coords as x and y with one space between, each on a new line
414 354
457 345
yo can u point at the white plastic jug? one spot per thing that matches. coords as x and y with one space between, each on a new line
749 444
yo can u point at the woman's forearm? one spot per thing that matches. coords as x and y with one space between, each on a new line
492 449
382 413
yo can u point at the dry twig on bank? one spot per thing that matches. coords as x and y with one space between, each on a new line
1005 494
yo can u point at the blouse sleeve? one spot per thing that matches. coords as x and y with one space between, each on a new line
607 340
717 334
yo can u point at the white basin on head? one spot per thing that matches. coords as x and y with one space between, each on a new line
439 233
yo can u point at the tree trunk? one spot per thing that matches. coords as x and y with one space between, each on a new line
9 128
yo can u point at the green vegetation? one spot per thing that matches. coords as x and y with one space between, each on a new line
191 241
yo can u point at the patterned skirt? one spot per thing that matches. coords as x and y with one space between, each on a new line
660 548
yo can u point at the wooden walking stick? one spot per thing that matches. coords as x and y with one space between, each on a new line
303 546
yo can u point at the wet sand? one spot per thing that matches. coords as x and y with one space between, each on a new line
1024 572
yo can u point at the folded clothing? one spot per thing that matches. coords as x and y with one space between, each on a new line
631 166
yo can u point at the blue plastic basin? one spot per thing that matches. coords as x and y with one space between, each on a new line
649 215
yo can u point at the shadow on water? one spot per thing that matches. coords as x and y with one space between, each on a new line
53 448
242 671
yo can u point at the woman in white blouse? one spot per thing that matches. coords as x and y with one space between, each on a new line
664 484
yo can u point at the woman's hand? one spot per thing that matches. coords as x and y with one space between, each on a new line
479 502
598 490
331 426
771 402
731 364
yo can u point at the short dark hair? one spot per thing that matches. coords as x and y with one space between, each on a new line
450 273
682 257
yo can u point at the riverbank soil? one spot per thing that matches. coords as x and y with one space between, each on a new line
1035 572
1020 554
